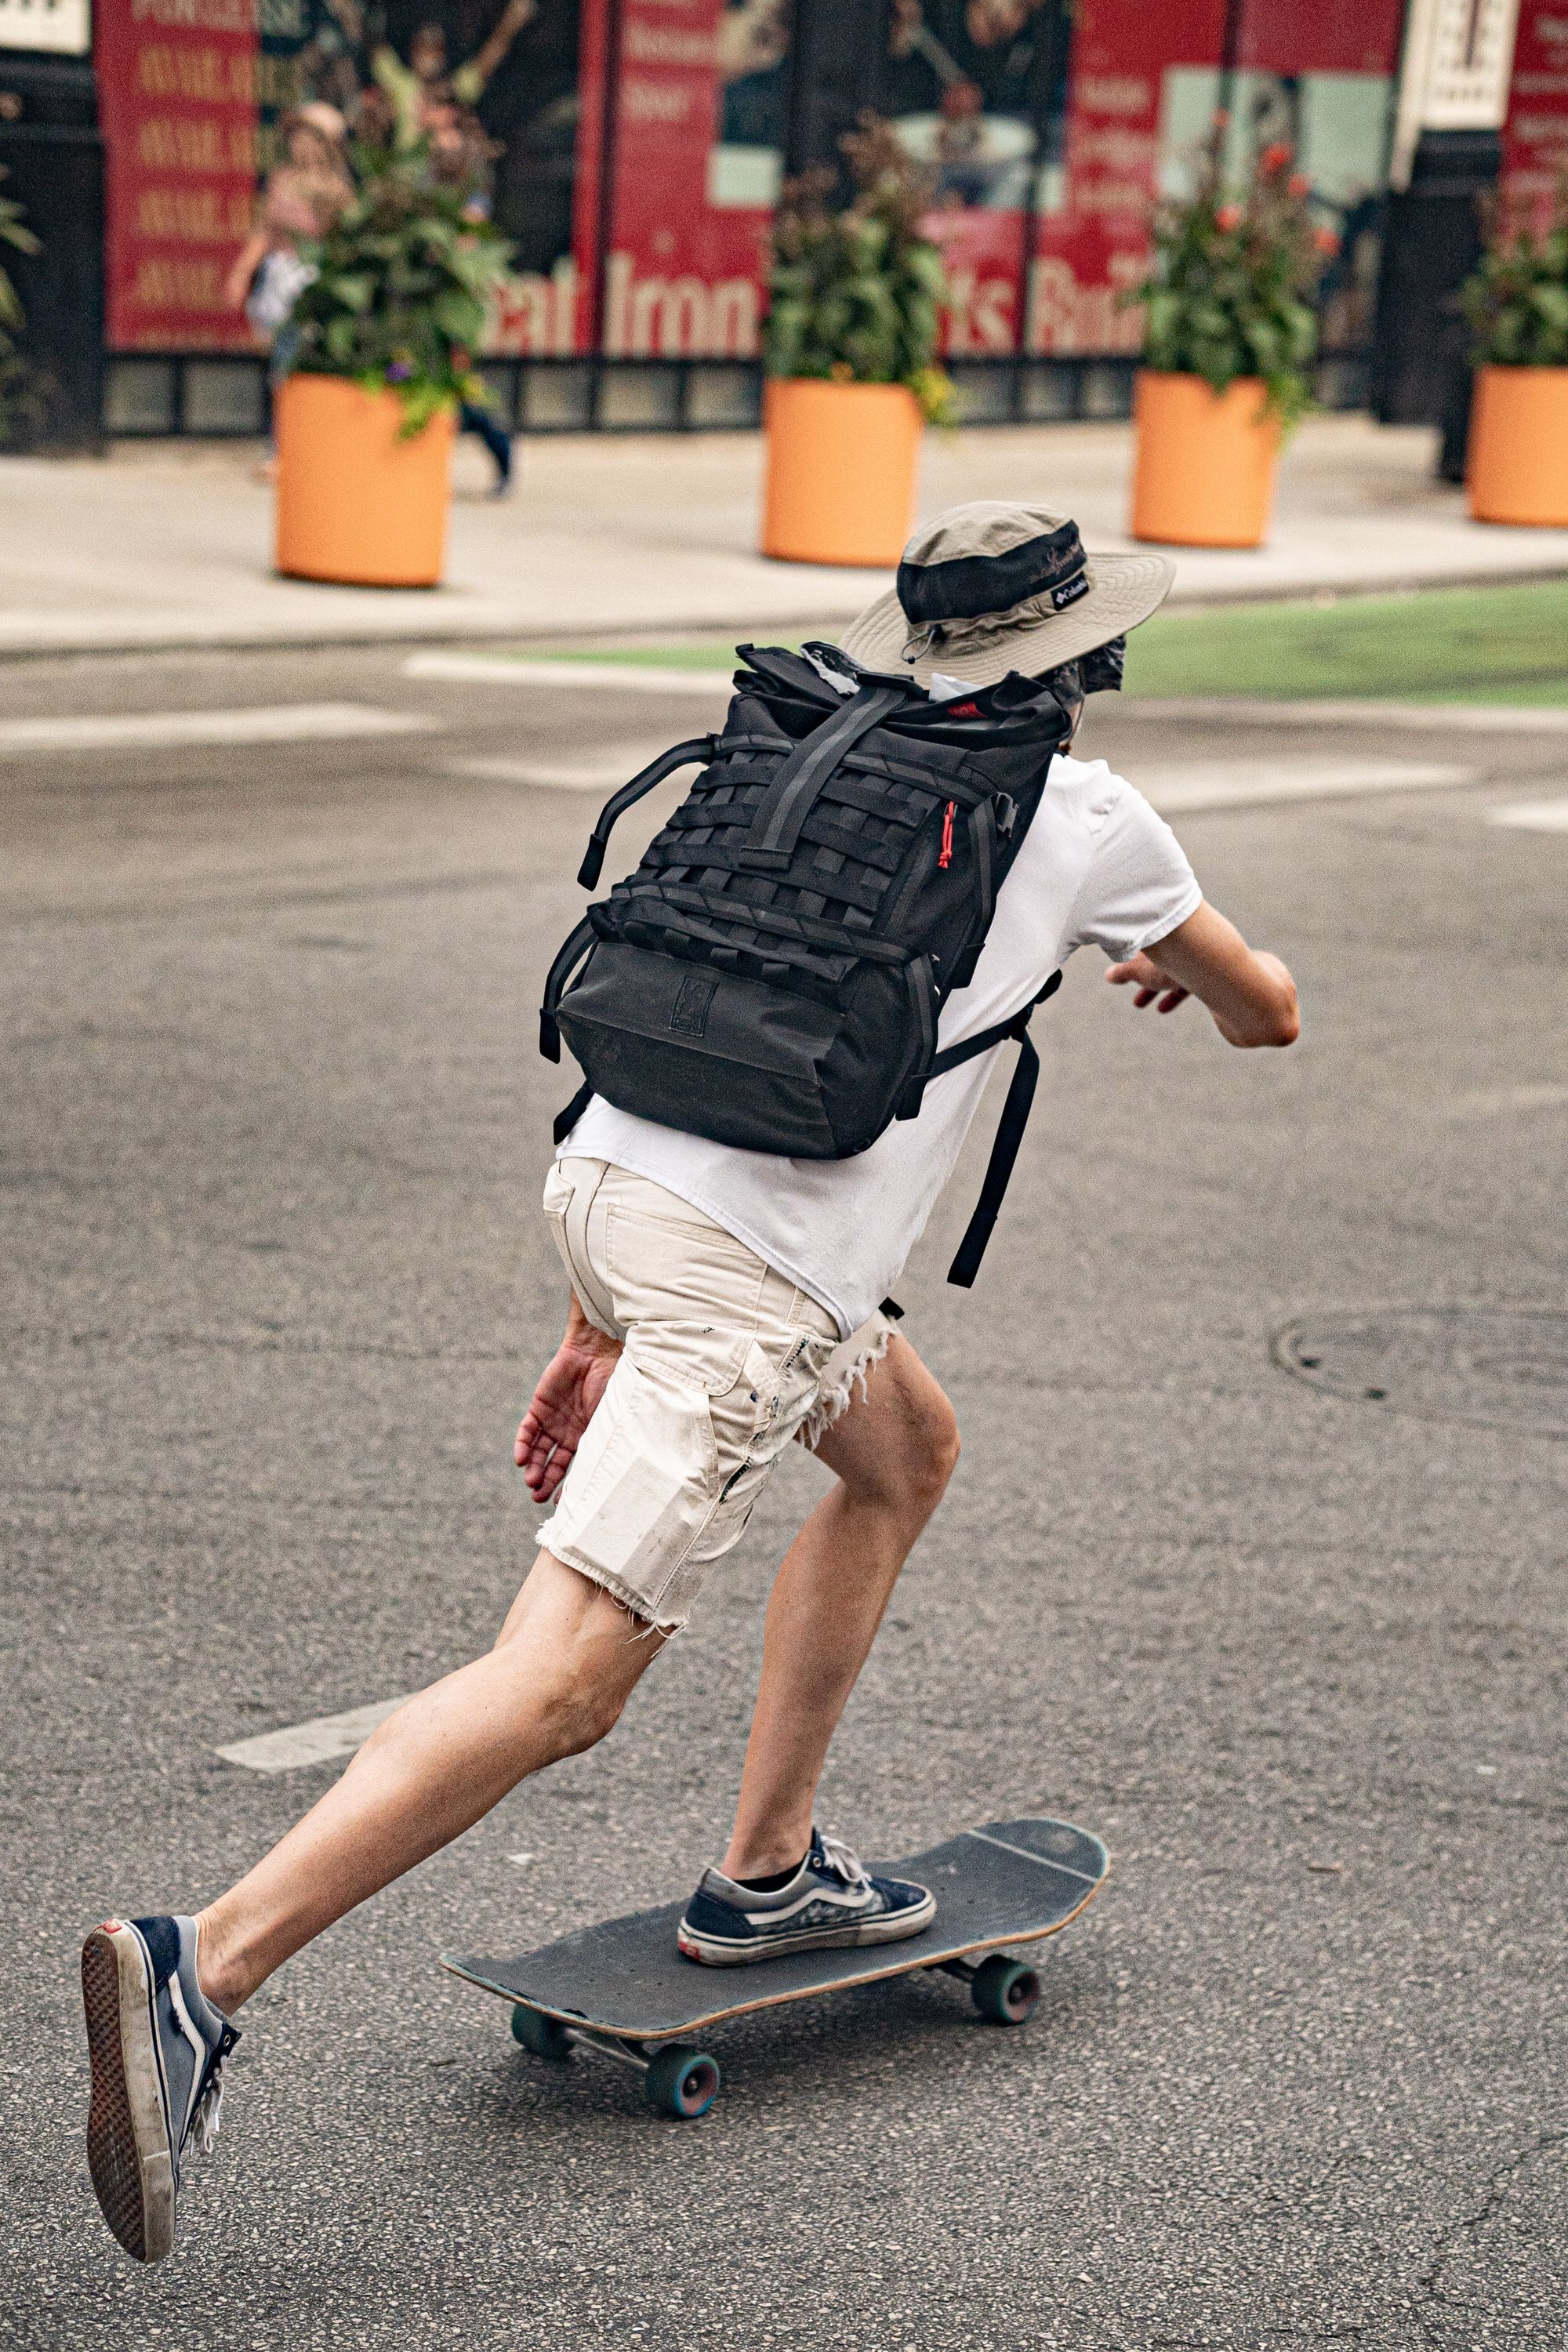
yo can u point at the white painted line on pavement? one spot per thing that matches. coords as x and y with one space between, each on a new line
316 1742
1533 816
1439 717
496 669
1175 786
286 722
597 775
1486 1102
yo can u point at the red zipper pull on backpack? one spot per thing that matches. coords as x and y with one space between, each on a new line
946 858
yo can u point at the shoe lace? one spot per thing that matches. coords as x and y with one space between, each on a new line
206 2116
843 1862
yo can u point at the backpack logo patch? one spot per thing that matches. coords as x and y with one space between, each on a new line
693 1002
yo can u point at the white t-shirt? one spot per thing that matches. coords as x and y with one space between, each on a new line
1097 865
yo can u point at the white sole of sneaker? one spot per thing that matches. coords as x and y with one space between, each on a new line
715 1952
128 2142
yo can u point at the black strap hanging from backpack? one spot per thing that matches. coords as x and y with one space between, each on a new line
1010 1126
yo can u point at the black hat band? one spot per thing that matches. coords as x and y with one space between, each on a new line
969 585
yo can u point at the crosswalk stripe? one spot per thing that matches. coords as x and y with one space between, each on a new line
616 766
287 722
500 670
1533 816
1433 718
1178 786
316 1742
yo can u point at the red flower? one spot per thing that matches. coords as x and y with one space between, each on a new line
1298 183
1326 241
1227 218
1274 159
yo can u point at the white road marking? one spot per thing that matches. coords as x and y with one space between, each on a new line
1178 785
522 1860
1533 816
1437 718
124 730
601 774
1485 1102
316 1742
500 670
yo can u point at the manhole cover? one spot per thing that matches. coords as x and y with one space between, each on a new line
1506 1369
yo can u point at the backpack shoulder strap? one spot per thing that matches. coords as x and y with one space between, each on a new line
1010 1128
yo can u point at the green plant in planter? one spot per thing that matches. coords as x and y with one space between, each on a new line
1516 300
20 395
403 281
1230 292
855 292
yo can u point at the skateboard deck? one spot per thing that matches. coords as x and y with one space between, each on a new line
624 1984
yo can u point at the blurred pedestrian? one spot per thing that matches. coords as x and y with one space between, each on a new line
303 193
429 103
461 153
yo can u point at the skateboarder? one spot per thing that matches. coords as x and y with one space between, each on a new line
722 1302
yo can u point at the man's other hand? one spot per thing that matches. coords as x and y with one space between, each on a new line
564 1403
1251 996
1142 973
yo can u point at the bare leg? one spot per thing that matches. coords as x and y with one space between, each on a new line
567 1660
894 1451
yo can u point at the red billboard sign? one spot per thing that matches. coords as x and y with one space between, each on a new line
177 98
1144 86
1535 138
689 206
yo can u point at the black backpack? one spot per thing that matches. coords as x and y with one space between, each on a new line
772 973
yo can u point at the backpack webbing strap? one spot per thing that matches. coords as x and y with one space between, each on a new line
789 800
566 1120
561 971
1010 1128
698 752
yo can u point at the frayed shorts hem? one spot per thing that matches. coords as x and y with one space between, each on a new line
624 1595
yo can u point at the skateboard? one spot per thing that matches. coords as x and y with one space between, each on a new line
623 1989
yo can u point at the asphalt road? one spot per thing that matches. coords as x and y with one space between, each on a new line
275 1288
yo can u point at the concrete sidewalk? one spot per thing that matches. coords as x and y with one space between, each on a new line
169 545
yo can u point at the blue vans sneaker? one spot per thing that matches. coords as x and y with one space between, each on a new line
157 2046
831 1900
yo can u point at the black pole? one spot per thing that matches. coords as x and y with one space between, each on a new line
609 128
835 73
1229 53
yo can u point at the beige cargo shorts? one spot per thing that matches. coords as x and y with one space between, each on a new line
724 1360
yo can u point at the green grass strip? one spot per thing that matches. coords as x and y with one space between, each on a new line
1504 644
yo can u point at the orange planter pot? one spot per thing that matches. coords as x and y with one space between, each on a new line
355 502
841 466
1518 469
1206 462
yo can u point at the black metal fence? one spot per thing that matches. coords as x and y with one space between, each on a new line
223 395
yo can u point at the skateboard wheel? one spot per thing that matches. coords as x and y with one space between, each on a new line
1004 1992
681 2082
545 2036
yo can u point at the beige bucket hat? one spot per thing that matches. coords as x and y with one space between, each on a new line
992 586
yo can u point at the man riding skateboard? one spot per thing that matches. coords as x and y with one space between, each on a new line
723 1302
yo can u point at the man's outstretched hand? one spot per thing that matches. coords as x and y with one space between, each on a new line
569 1388
1250 994
1144 974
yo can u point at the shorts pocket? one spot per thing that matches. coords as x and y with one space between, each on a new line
685 1278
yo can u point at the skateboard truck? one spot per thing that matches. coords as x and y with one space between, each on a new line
1005 1990
677 2080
